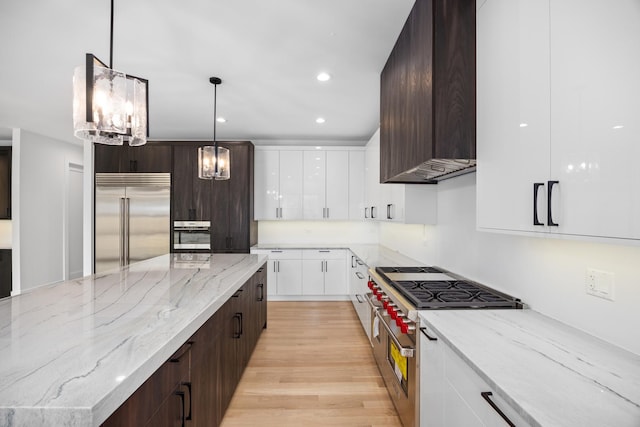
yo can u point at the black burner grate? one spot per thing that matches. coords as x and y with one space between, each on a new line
452 294
409 270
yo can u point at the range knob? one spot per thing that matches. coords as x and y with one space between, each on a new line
370 284
407 328
400 319
392 310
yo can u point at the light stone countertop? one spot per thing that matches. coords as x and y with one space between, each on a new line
73 352
550 373
372 255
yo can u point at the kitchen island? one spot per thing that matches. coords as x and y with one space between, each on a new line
73 352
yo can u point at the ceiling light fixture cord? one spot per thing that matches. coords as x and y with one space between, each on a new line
111 39
215 141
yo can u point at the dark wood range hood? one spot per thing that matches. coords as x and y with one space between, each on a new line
428 95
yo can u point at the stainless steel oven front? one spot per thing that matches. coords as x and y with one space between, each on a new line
192 235
396 355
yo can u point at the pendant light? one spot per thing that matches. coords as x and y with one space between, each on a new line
213 161
109 106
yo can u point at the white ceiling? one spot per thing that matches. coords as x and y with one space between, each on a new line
267 53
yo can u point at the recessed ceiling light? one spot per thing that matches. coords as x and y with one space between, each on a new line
323 77
221 120
320 120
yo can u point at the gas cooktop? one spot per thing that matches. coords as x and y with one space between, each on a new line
434 288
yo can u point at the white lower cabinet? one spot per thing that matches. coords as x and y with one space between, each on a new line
324 272
284 274
452 394
306 272
358 277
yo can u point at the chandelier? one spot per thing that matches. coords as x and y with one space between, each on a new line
213 161
109 106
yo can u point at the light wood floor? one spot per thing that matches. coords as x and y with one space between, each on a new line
312 366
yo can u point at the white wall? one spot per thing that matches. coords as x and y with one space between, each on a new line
38 199
317 232
547 274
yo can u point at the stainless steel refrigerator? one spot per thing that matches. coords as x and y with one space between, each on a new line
131 218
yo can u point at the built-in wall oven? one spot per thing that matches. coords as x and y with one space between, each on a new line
191 235
397 293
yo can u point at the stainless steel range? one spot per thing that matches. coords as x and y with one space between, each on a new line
397 293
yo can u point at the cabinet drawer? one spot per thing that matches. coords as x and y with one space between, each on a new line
323 254
283 254
468 385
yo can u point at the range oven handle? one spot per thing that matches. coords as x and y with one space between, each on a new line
404 351
373 307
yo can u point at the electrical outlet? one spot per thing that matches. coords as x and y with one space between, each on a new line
600 283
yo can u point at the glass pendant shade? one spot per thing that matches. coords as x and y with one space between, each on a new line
109 106
207 161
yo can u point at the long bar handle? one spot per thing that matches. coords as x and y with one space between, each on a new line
121 234
536 186
126 231
486 395
404 351
550 185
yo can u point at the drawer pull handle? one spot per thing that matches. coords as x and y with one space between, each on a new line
486 395
359 298
424 332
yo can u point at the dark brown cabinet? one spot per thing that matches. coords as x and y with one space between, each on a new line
195 386
427 93
5 272
232 224
5 182
164 400
190 195
149 158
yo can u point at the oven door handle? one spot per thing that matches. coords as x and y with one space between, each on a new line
373 307
404 351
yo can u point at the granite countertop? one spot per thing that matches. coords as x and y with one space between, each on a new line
549 372
73 352
372 255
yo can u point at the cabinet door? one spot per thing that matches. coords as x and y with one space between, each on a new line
289 280
513 105
267 185
432 382
335 277
109 158
220 207
171 411
241 199
594 117
372 176
205 371
5 183
337 188
314 169
150 158
191 195
291 184
313 277
356 184
5 272
272 277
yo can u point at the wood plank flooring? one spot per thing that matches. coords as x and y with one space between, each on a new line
312 366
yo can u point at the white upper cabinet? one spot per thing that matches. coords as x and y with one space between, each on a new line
308 183
337 185
326 193
278 184
405 203
513 146
595 116
356 184
558 106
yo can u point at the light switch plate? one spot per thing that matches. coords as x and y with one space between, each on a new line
600 283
